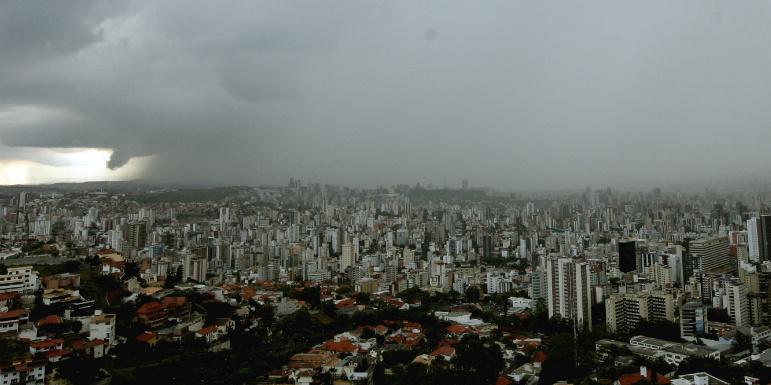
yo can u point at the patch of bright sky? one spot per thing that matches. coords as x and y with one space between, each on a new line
66 165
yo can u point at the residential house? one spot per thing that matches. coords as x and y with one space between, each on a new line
11 320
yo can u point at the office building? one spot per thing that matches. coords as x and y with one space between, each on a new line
627 256
714 254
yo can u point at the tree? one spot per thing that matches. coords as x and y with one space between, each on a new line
311 295
477 361
560 359
473 294
362 298
742 342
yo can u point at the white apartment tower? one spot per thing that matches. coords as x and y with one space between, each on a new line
569 293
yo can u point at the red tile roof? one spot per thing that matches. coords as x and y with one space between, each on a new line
344 346
446 351
50 320
45 344
57 353
633 378
150 307
207 330
457 329
174 301
13 314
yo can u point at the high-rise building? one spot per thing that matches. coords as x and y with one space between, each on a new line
569 293
693 319
137 235
22 200
346 257
487 246
624 311
713 252
224 219
759 238
627 256
195 267
738 303
753 239
464 184
538 284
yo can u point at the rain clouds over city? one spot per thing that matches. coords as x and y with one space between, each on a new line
512 95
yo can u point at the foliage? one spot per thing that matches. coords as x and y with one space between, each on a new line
11 350
477 361
311 295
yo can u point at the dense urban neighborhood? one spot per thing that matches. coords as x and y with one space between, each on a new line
306 284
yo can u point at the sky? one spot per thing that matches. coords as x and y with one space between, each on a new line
507 94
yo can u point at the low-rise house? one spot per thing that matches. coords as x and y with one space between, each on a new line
313 360
46 345
57 355
54 296
152 315
148 338
28 372
12 320
644 374
89 348
62 281
8 301
526 373
700 378
176 307
50 319
22 279
445 352
208 333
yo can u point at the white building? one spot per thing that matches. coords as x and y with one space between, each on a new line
102 327
569 293
19 280
30 373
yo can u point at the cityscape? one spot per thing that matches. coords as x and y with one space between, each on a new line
385 192
129 282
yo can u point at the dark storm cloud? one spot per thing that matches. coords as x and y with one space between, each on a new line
508 94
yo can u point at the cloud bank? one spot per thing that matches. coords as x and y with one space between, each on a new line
509 94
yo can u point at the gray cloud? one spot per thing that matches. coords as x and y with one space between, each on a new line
509 94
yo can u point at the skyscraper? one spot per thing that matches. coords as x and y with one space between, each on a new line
487 246
627 256
569 290
137 235
753 238
346 257
759 238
